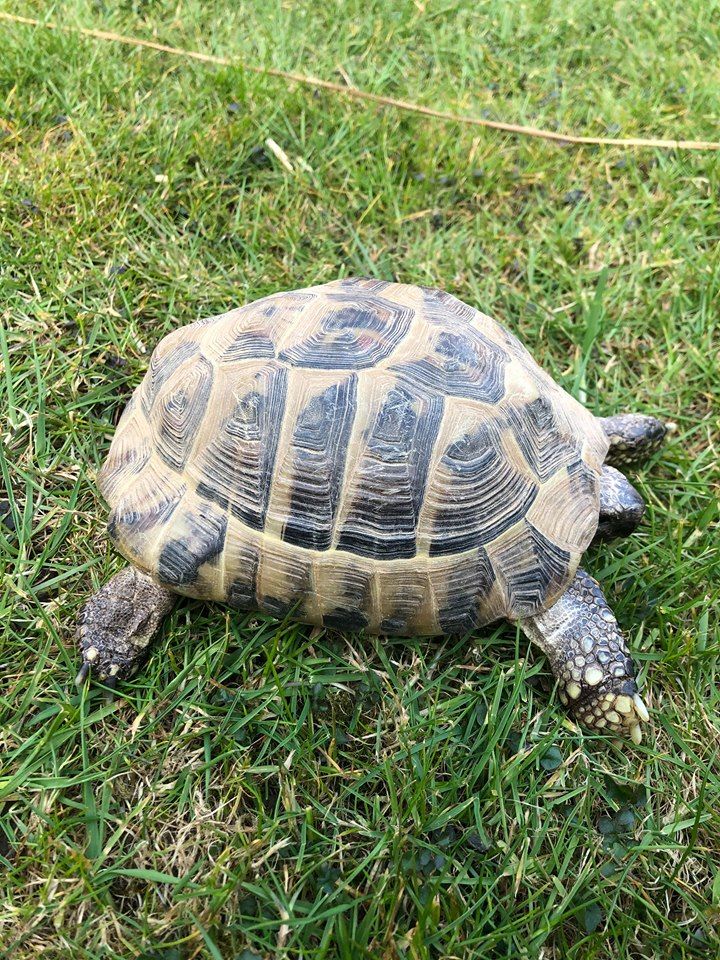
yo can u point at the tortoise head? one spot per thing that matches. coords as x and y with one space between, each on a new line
633 437
117 624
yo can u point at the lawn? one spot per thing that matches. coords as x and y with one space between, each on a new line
268 790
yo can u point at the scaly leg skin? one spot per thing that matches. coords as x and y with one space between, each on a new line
118 623
590 659
621 506
633 437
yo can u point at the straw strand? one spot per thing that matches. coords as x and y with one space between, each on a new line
358 94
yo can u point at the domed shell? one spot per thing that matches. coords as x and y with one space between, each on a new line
360 454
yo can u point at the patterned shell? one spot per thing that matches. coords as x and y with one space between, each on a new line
358 455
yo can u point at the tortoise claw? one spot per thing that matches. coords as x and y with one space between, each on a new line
640 708
641 716
83 674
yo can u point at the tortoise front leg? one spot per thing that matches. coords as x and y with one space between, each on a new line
590 659
118 623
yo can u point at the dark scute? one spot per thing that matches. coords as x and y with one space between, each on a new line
354 599
161 369
539 412
342 619
445 309
583 478
458 614
178 564
463 455
317 453
129 517
112 528
182 412
297 586
206 492
281 608
358 333
181 558
392 472
396 427
377 547
249 344
242 591
364 285
238 463
241 595
485 496
402 602
463 363
532 566
456 350
251 518
352 318
543 446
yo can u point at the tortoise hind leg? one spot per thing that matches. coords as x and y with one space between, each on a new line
118 623
633 437
590 659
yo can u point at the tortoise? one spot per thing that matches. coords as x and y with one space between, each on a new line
370 456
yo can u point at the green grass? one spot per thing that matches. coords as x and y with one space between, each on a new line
271 791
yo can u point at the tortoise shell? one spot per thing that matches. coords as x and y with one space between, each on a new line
360 454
